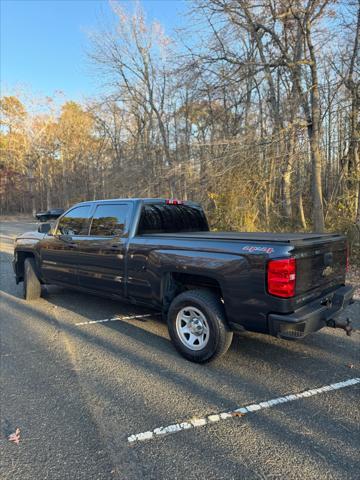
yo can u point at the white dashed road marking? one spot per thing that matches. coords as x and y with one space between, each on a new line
114 319
199 422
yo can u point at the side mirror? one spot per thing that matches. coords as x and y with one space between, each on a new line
44 228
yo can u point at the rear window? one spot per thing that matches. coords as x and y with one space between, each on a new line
172 219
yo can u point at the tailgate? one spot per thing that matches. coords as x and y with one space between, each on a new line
321 265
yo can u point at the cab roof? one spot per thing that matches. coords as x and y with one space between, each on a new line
107 200
147 200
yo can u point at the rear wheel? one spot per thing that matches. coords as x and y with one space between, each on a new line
31 284
197 326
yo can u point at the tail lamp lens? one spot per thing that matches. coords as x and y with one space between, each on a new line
281 277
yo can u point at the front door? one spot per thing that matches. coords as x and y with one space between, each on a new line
58 252
102 253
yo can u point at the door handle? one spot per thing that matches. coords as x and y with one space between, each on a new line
115 247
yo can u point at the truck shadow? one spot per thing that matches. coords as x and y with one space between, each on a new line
326 348
320 354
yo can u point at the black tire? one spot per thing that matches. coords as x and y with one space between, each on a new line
31 284
209 304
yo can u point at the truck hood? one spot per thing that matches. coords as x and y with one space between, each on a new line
30 236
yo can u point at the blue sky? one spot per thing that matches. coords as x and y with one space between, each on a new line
43 42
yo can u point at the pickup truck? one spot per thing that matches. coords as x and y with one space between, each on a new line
51 214
160 254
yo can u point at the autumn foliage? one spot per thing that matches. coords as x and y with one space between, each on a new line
253 110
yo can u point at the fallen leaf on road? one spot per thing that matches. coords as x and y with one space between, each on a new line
237 414
350 365
15 437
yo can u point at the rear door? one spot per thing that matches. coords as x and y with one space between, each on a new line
58 253
102 253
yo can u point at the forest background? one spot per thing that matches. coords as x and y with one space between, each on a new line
251 108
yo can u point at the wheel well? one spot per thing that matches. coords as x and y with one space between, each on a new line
175 283
20 259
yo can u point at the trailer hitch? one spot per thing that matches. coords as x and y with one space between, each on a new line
344 324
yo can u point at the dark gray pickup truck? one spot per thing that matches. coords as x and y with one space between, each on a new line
161 254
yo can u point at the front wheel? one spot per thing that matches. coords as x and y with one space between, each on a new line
197 326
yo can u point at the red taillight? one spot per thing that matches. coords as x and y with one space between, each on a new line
173 201
281 277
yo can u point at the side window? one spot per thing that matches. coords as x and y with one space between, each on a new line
75 222
109 220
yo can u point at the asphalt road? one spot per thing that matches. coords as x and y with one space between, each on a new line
78 391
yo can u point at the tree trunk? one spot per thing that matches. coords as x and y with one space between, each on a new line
287 176
314 137
301 212
316 186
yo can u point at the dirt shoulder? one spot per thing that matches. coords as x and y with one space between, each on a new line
17 218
